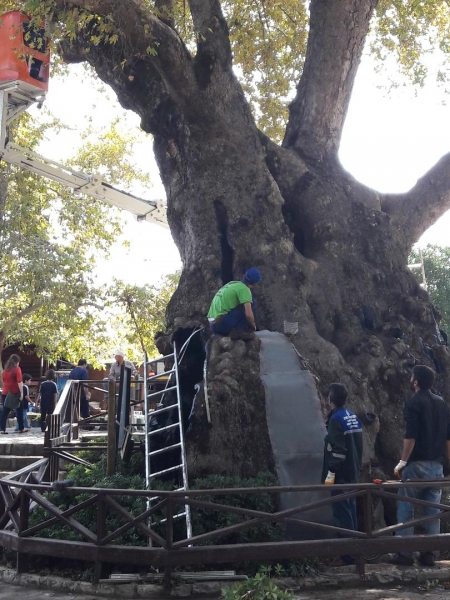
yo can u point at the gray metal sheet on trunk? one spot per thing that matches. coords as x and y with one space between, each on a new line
296 427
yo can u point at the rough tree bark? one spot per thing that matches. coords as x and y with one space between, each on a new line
333 253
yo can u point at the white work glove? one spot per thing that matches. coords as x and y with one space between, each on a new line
399 468
330 478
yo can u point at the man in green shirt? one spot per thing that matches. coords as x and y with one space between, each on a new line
231 310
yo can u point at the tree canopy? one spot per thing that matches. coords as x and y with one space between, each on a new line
268 40
436 263
50 243
142 312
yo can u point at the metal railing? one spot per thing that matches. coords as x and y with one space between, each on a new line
99 540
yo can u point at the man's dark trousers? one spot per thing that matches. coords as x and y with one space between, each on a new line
344 516
235 319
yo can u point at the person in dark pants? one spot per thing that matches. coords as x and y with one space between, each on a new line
12 392
426 448
342 460
47 397
231 311
25 403
80 373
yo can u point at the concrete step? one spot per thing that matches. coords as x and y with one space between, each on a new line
17 448
14 463
92 436
62 475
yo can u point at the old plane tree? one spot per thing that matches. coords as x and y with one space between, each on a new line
251 184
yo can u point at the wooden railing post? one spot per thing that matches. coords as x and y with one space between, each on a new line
112 442
54 429
360 559
368 513
169 541
22 558
47 452
101 532
2 512
76 413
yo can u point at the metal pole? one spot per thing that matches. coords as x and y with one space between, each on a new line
422 266
112 442
187 507
3 118
205 384
146 429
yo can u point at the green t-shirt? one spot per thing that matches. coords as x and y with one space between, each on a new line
228 297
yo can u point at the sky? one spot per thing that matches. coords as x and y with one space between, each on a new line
77 102
390 139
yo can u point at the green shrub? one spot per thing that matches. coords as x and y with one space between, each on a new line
259 587
204 520
127 477
130 476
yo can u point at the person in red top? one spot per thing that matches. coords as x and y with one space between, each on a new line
12 392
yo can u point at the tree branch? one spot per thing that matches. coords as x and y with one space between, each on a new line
213 45
72 52
165 10
415 211
129 306
285 165
6 325
149 39
338 29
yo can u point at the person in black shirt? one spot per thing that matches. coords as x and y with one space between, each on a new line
426 448
48 394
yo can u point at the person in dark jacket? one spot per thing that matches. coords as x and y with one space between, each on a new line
48 394
342 459
426 448
80 373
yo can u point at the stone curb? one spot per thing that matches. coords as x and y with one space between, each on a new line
333 578
123 590
376 575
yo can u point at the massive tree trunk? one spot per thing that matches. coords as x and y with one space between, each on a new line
332 252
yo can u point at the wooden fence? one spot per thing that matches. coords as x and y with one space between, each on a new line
103 541
99 544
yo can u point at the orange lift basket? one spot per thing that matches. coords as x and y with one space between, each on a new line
24 53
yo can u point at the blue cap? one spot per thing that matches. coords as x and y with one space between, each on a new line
253 275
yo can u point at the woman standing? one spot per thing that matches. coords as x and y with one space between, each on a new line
47 397
13 392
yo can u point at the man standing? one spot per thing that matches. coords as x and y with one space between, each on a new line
80 373
342 459
114 372
231 311
426 448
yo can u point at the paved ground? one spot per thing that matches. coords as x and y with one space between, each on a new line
32 436
409 593
35 436
14 592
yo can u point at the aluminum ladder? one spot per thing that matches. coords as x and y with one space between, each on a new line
171 385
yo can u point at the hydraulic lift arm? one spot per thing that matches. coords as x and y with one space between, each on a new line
12 103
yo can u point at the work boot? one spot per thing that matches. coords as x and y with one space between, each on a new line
240 334
427 559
